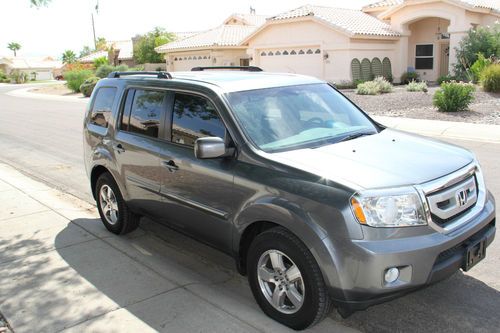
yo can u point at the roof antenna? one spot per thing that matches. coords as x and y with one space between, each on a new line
252 10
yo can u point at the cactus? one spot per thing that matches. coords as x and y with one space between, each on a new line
386 69
355 70
377 67
366 70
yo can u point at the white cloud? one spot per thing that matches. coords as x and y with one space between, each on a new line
66 24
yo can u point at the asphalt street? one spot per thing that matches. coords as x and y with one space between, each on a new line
43 139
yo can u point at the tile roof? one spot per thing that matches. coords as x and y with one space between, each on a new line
93 56
353 22
486 4
223 35
126 48
248 19
31 63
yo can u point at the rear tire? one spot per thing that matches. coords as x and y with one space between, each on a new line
114 212
286 281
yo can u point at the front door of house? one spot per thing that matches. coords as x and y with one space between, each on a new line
444 59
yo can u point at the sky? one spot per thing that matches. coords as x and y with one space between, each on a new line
66 24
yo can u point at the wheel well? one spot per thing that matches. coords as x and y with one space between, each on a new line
246 239
94 176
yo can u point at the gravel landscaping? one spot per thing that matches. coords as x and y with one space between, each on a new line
484 110
55 89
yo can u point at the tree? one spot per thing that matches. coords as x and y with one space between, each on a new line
14 47
85 51
68 57
144 50
101 44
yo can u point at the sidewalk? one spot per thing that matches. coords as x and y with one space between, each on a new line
445 129
60 270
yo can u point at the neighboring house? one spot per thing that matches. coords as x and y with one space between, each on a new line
220 46
119 53
37 68
391 35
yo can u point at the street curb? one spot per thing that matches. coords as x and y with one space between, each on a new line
444 129
25 93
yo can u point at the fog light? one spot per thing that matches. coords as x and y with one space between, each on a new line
391 275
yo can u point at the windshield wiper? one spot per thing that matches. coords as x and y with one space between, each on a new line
354 136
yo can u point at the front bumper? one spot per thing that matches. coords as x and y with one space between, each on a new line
422 260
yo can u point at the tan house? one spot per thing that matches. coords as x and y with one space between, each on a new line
42 68
119 53
338 44
221 46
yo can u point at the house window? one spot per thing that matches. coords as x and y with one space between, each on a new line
424 56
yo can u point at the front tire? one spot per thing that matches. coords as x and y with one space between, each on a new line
114 212
286 280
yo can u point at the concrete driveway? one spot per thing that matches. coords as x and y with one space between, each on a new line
61 270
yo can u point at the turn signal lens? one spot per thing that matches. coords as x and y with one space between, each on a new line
358 211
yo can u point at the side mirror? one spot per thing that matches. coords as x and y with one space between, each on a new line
209 147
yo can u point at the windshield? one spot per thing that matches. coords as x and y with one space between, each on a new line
295 117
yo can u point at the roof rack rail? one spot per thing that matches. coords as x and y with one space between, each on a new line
241 68
159 74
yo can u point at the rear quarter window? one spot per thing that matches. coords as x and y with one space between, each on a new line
102 107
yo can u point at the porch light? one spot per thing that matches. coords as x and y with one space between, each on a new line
325 55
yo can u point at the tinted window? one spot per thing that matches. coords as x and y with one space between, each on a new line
194 117
103 104
424 50
424 63
147 109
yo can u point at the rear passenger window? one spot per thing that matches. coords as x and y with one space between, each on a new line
147 110
103 104
194 117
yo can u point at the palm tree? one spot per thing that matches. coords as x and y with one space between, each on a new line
14 47
68 57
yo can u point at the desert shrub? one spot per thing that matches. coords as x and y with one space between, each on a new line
417 86
446 78
98 62
3 77
19 77
490 78
478 66
454 96
88 86
378 86
368 88
74 79
407 77
77 66
105 70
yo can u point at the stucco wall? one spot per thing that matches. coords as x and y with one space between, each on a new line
207 57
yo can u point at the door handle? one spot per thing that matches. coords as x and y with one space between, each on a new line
170 165
118 148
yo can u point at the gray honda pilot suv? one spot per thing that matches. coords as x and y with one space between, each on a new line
318 204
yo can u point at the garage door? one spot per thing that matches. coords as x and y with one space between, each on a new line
44 75
186 62
306 60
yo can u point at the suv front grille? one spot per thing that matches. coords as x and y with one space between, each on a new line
450 203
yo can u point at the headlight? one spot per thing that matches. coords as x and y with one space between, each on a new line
401 207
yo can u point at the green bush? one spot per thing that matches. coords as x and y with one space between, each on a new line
88 86
98 62
407 77
384 85
74 79
3 77
490 78
446 78
480 64
479 40
104 70
454 96
414 86
18 77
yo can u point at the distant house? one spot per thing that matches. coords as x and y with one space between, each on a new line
37 68
220 46
386 37
119 53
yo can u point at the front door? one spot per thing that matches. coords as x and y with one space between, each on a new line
444 59
197 193
137 147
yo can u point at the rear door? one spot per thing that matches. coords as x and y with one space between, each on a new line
197 193
136 146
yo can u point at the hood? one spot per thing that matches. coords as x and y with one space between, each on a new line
387 159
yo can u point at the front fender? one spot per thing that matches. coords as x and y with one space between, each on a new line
298 221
